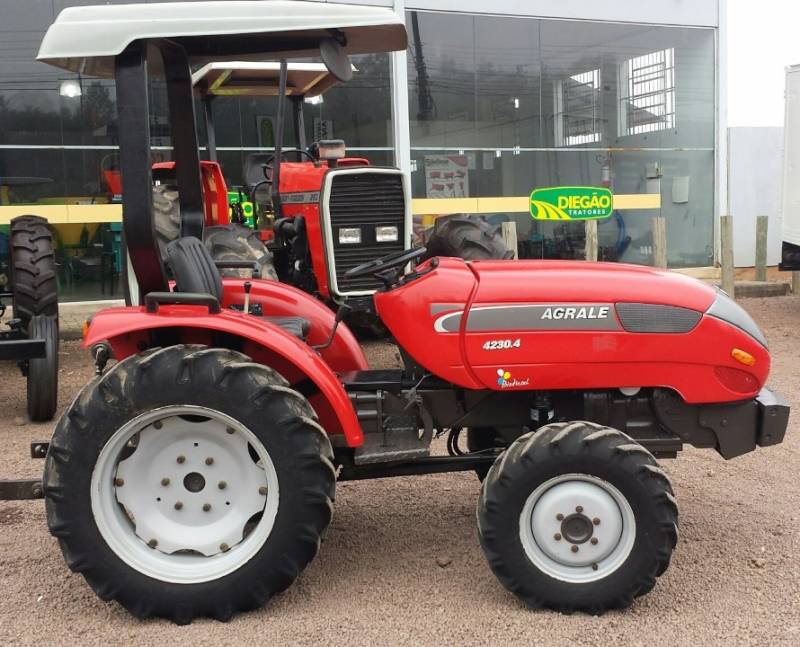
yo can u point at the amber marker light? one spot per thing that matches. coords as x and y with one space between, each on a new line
743 357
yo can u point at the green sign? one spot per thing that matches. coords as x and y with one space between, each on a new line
572 203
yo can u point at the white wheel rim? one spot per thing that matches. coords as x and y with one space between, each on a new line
177 508
577 528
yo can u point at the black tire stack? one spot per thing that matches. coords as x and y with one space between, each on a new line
33 269
225 242
469 237
35 289
238 243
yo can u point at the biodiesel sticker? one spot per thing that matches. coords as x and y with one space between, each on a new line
571 203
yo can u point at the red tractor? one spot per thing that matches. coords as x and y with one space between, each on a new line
195 476
300 233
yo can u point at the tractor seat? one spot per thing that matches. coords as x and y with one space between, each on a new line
194 271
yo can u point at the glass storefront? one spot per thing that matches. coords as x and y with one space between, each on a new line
498 106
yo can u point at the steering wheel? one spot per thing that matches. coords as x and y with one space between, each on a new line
380 267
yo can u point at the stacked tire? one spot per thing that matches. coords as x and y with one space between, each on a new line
468 237
35 297
225 242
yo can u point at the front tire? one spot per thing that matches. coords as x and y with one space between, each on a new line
577 516
188 482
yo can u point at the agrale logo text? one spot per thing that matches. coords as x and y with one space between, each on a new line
581 312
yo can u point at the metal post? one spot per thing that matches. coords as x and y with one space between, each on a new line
726 245
299 123
660 242
509 232
762 223
401 128
591 240
211 135
279 129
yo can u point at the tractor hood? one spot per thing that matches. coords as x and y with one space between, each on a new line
575 325
215 31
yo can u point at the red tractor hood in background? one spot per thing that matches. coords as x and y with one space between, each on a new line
531 325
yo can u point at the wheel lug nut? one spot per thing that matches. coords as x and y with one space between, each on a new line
596 521
165 481
181 459
593 541
158 424
209 461
178 505
222 485
578 509
559 517
262 490
574 548
224 547
230 430
206 507
152 543
557 536
119 482
594 567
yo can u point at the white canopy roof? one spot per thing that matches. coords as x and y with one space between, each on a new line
86 39
259 78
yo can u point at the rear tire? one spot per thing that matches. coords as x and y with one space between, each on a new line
541 545
43 371
166 216
33 269
469 237
85 485
237 243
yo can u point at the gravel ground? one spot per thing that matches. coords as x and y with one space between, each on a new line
734 578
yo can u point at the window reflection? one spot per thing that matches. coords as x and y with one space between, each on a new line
521 103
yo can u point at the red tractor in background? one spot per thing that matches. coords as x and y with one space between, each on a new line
196 474
316 215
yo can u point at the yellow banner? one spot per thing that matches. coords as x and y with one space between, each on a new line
81 213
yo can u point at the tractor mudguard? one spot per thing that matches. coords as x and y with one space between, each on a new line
127 330
282 300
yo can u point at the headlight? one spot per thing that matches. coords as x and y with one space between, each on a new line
386 234
349 236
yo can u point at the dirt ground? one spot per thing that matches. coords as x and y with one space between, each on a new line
734 579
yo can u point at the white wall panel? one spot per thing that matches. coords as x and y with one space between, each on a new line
754 186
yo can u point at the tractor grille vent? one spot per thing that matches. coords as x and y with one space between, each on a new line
364 201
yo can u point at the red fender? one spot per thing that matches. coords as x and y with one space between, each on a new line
126 330
282 300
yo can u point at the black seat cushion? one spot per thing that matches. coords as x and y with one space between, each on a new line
193 267
296 326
